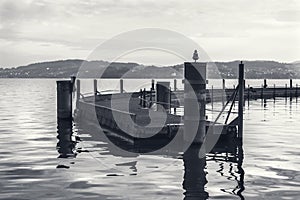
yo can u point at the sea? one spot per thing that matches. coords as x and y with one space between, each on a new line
31 165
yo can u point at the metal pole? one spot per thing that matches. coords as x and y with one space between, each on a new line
64 99
241 101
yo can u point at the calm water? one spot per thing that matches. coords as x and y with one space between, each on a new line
29 158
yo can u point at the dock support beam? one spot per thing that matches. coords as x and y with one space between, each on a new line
241 101
175 85
64 99
194 84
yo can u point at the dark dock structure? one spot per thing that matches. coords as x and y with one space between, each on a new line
157 115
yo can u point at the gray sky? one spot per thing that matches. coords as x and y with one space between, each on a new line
40 30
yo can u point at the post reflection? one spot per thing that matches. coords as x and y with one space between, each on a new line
194 174
65 145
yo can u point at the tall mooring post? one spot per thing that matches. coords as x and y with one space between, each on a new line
241 101
194 101
64 99
121 86
163 94
95 87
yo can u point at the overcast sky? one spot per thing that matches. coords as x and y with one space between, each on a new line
41 30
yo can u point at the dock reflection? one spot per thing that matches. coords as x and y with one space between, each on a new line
194 174
66 140
195 180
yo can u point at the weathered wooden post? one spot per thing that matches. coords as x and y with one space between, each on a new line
285 90
241 101
223 92
95 87
175 84
141 97
274 92
64 99
296 93
152 85
163 94
144 98
212 97
77 91
291 88
248 95
265 83
194 97
121 86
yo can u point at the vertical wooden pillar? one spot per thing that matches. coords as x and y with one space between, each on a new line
274 92
291 88
77 91
64 99
248 95
265 83
241 101
296 92
152 84
212 97
163 94
144 98
195 83
175 84
285 91
95 87
121 86
223 92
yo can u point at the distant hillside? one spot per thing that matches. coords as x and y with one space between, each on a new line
66 68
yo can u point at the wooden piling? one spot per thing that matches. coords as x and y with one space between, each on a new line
265 83
194 107
163 94
248 94
274 92
223 92
296 92
152 85
95 87
262 92
175 84
241 101
64 99
212 97
121 86
144 98
77 91
291 88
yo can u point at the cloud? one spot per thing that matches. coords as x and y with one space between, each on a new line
78 26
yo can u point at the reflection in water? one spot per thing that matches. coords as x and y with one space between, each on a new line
232 158
66 143
194 174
